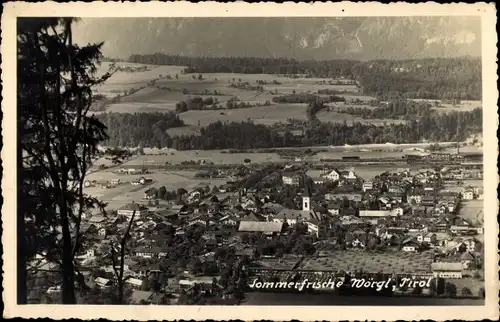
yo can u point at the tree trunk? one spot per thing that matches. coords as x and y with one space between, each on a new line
21 255
68 269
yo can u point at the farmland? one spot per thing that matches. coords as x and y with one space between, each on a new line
137 94
448 107
388 262
126 192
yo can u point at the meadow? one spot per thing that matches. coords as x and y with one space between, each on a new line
463 106
125 193
472 210
172 86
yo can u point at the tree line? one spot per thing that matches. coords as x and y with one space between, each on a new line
432 78
398 109
247 135
306 98
139 129
150 130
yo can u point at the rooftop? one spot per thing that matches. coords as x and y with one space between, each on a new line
255 226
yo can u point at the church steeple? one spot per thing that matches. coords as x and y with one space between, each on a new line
306 197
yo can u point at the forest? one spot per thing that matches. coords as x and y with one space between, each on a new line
149 130
139 129
398 109
432 78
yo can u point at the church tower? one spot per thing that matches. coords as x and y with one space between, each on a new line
306 198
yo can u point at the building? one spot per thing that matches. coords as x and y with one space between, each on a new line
341 196
291 179
447 270
318 180
292 216
410 245
468 194
333 175
367 185
316 227
260 226
149 252
414 198
98 221
349 175
129 209
380 213
151 193
306 199
428 201
469 243
102 282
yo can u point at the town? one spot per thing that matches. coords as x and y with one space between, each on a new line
287 222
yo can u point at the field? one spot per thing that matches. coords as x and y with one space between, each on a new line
126 192
213 155
387 262
472 210
266 115
446 107
167 91
123 81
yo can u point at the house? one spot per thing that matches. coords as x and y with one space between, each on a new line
204 281
194 196
429 238
146 297
367 185
333 208
468 194
333 175
348 175
102 282
378 213
228 220
134 282
149 252
447 270
467 259
341 196
316 227
394 189
427 201
151 193
263 226
461 229
102 231
317 180
145 181
98 221
291 179
410 245
252 216
469 244
292 216
397 212
249 204
129 209
414 198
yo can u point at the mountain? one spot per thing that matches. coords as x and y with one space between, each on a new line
358 38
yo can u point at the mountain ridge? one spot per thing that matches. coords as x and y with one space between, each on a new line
359 38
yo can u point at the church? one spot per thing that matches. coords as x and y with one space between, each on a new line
292 216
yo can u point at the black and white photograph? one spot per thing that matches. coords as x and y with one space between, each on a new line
252 161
